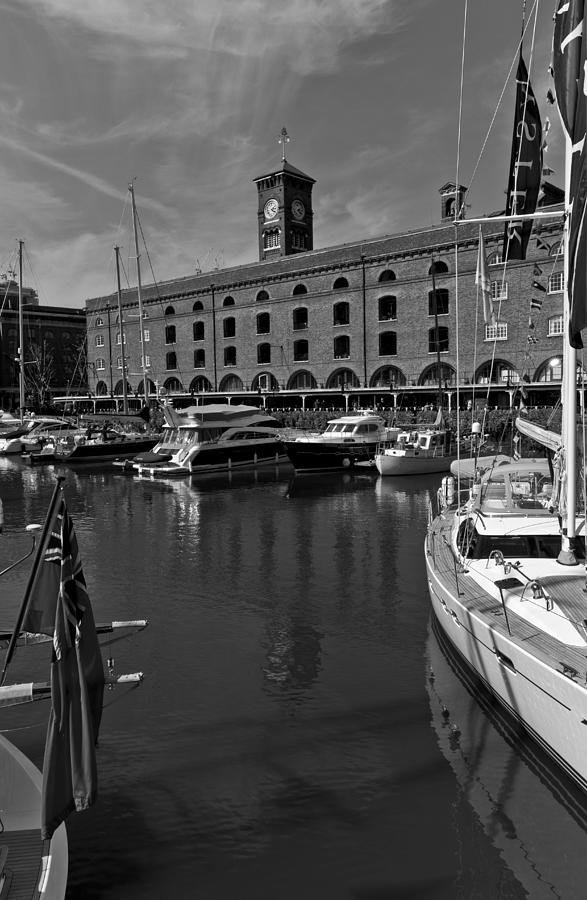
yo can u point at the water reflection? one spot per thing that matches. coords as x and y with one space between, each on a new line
534 816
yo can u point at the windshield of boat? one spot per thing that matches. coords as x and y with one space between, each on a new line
530 489
475 545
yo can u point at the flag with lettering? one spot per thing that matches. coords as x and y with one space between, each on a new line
77 679
525 167
483 281
569 57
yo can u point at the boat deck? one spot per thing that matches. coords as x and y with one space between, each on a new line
570 660
23 862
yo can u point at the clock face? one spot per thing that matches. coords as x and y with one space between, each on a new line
271 209
298 209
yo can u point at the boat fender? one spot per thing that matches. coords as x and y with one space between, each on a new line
446 494
346 462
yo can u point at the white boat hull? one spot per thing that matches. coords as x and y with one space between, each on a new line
551 705
399 463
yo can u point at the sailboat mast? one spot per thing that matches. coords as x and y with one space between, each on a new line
569 393
437 336
20 334
139 292
121 332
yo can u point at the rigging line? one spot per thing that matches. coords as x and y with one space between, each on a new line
491 124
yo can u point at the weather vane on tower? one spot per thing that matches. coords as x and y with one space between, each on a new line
283 140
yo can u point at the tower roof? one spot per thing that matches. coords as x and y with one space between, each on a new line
286 167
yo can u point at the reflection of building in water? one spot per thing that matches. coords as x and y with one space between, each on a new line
535 818
293 659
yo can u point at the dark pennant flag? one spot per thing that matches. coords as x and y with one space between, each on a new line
525 167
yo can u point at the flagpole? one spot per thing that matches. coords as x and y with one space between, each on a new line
33 576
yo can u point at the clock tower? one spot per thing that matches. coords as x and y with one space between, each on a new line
284 209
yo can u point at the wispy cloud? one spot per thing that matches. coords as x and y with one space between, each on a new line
87 178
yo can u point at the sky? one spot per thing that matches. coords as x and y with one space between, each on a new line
187 99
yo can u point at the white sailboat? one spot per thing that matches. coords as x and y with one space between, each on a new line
506 558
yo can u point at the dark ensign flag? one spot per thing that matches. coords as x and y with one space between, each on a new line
60 606
525 167
569 60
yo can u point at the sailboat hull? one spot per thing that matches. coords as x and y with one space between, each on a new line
546 692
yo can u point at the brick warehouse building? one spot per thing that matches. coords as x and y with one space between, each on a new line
302 326
54 349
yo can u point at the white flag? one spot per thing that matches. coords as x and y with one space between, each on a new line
484 283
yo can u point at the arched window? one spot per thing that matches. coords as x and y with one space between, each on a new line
495 258
99 322
200 385
228 301
101 389
438 340
263 323
100 364
262 296
170 334
99 340
230 356
198 305
438 267
429 376
299 289
265 381
263 354
340 284
231 383
301 380
341 313
387 308
300 318
388 343
198 328
173 386
552 370
298 239
300 351
388 376
441 302
171 361
271 239
199 359
342 346
343 378
229 327
170 311
498 371
387 275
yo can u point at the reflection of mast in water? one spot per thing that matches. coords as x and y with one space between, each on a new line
293 659
534 816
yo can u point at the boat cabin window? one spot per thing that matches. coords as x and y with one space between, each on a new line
367 428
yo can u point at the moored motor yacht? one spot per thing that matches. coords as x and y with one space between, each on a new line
347 442
34 430
220 437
